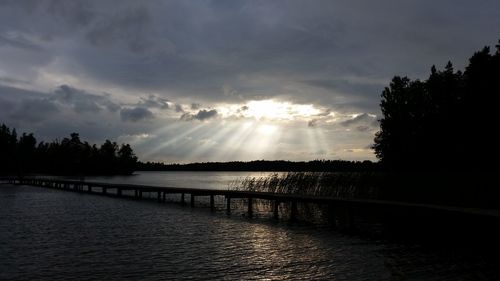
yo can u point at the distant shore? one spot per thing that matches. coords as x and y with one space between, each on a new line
266 166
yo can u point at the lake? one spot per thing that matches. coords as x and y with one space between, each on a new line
50 234
209 180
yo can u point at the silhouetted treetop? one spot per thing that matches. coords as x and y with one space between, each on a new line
70 156
446 122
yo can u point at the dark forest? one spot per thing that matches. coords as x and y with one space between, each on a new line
448 122
70 156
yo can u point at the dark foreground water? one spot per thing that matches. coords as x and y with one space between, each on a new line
55 235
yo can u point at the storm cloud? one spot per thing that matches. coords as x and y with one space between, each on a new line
141 66
82 101
135 114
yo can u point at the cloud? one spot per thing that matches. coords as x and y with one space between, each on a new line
218 53
200 115
128 28
225 52
205 114
35 110
312 123
363 118
9 80
154 101
135 114
81 101
178 108
18 41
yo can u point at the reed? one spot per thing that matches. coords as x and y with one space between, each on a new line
324 184
339 185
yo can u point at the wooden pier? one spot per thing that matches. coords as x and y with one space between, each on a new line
276 199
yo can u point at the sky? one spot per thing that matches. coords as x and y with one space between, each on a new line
195 81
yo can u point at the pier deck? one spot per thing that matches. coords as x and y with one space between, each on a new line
113 189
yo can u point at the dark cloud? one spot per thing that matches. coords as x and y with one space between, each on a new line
205 114
20 106
81 101
74 13
332 54
217 51
14 93
200 115
135 114
34 110
126 28
18 41
6 106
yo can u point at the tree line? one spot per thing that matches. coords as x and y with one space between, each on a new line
264 165
448 122
69 156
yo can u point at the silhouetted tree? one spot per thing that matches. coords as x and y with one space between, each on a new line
26 152
70 156
127 161
447 122
8 143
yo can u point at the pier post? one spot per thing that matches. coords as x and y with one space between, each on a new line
119 192
293 211
136 193
250 206
182 199
140 194
192 200
89 189
159 196
228 204
276 209
104 190
164 197
212 203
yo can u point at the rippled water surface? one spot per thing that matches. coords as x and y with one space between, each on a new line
56 235
210 180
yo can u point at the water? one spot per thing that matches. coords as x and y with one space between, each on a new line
49 234
208 180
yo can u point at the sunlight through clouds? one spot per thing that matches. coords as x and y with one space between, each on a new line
265 129
271 110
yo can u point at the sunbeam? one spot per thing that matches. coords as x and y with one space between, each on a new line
214 137
173 140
